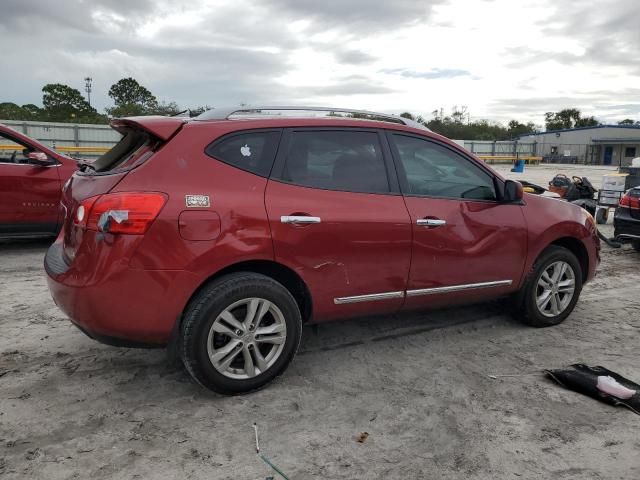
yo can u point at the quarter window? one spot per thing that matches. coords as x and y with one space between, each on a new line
434 170
251 151
336 160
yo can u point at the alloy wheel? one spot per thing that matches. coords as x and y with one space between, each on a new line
246 338
555 288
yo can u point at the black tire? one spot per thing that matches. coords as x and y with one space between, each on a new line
636 245
602 214
526 305
205 308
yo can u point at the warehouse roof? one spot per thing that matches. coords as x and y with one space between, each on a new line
616 140
633 127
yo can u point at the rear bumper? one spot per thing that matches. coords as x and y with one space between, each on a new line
116 304
625 226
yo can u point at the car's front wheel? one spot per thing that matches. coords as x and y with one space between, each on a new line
551 289
240 333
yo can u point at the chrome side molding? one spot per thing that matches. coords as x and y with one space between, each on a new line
457 288
368 298
422 291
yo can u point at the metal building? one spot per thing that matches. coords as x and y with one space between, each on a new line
601 145
69 137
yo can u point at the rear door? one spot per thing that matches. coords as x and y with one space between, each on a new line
466 244
337 219
29 193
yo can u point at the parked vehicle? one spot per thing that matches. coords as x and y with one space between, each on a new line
626 221
226 233
31 179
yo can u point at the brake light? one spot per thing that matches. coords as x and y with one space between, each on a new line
629 201
120 213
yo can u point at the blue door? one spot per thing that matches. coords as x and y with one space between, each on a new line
608 155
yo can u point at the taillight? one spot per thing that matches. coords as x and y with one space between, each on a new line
81 214
125 213
630 201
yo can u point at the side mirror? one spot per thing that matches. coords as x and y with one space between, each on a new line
513 191
39 158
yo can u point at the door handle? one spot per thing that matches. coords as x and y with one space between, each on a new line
299 219
430 222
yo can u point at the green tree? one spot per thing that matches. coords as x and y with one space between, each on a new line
65 104
166 109
628 121
516 129
587 122
131 98
11 111
34 112
567 118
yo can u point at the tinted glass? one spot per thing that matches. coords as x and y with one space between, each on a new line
12 151
336 160
252 151
436 171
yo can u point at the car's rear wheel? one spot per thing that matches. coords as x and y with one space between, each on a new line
240 333
551 289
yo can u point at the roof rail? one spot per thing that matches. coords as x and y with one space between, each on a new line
223 113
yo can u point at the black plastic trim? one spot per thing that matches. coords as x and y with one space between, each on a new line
54 262
118 342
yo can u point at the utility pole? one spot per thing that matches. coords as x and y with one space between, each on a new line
87 88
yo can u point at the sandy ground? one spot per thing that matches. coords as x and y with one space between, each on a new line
419 385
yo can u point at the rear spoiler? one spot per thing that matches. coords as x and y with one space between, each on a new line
160 127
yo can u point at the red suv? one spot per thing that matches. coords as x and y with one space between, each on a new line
226 233
31 179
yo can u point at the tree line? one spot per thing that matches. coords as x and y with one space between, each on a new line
458 124
62 103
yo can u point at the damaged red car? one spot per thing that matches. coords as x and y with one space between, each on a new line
31 180
224 234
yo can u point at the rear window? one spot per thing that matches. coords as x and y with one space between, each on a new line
251 151
132 149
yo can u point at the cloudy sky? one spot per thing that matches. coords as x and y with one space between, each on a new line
503 59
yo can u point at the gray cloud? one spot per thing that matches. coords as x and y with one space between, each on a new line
353 57
429 75
606 29
361 15
240 51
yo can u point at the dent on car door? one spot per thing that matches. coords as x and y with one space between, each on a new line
29 192
338 220
467 245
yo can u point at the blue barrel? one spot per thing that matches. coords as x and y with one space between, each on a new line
518 167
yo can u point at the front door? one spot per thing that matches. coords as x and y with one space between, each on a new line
338 220
29 194
467 246
608 155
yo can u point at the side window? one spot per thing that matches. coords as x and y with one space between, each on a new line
12 151
336 160
251 151
435 171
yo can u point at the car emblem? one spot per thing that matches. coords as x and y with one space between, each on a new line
197 200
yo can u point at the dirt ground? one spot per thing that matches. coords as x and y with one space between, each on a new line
419 385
